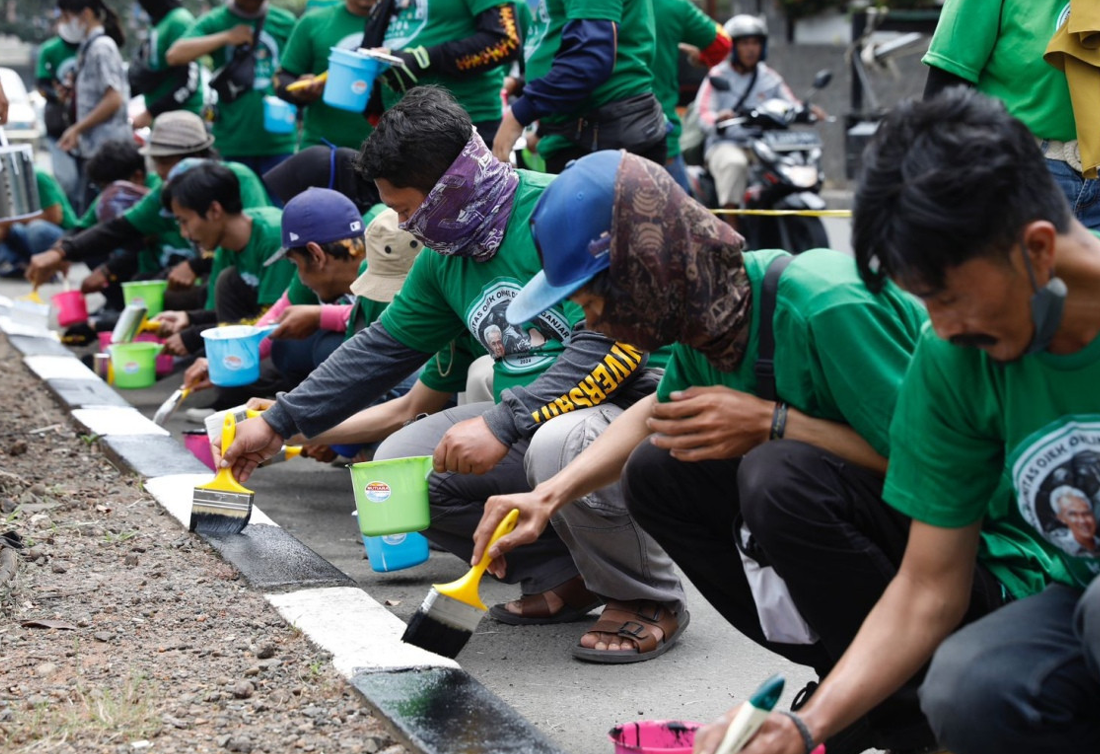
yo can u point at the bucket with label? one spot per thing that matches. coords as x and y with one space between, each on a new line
391 496
147 293
351 76
279 116
654 737
134 364
233 353
392 552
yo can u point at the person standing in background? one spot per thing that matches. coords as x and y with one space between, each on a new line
306 56
684 27
165 87
101 88
245 39
54 75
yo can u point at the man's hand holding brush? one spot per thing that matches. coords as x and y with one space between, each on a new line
254 443
535 509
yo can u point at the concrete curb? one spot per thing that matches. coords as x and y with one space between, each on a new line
430 702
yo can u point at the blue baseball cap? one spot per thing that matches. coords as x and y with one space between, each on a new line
318 215
572 230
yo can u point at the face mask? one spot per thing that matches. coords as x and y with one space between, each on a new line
72 31
1046 308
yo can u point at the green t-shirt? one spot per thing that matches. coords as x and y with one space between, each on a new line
50 193
427 23
679 21
446 371
445 296
163 35
56 60
998 45
88 219
840 351
307 52
150 218
633 53
975 439
265 240
239 127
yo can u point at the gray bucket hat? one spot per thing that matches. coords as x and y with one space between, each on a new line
175 133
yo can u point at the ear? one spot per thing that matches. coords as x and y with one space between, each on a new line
317 255
215 211
1040 240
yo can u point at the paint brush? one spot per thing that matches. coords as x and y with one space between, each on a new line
451 612
750 716
169 406
298 85
223 505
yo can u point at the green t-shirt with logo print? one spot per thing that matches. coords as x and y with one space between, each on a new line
446 296
427 23
266 238
307 52
239 126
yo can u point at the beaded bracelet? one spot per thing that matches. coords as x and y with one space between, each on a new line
807 739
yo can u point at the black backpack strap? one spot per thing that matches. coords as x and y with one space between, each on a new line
765 352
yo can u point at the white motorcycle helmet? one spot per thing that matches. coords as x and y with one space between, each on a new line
743 25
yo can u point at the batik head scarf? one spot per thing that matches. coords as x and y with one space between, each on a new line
677 272
467 210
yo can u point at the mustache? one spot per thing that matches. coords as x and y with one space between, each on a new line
972 340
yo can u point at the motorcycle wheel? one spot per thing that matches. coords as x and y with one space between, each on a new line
798 234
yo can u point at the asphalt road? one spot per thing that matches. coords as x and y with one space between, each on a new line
710 669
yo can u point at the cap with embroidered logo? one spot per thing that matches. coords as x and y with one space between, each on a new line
318 216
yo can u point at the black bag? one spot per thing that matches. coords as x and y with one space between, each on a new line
634 124
57 117
237 76
142 78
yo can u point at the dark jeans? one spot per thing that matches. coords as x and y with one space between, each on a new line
297 358
823 526
556 162
1026 678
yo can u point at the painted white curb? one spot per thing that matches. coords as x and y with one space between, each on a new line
59 367
106 421
174 491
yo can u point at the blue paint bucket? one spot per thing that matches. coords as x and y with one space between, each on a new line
396 551
233 353
351 76
279 116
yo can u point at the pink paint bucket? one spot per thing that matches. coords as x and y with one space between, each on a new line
654 737
71 308
199 444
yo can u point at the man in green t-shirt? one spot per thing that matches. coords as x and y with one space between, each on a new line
997 414
997 47
306 56
472 211
165 87
242 36
589 82
768 431
206 202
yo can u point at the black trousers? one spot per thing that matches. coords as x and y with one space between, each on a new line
823 526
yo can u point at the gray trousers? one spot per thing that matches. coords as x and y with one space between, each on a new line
1025 678
618 560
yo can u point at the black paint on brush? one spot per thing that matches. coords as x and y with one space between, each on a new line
426 632
218 521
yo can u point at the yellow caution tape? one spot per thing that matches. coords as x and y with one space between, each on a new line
786 212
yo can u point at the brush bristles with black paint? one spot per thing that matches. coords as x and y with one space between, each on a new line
224 505
450 613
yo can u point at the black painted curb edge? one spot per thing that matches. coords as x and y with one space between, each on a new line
388 693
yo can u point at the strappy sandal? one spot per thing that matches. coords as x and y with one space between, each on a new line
634 621
577 603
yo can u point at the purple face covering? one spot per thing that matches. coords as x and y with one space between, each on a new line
466 212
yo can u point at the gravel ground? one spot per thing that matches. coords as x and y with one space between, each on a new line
120 632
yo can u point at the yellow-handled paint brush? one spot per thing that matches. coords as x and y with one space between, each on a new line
223 505
299 85
451 612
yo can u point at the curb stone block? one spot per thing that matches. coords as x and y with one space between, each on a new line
30 346
85 393
272 560
150 457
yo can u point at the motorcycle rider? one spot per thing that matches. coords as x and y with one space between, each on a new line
744 81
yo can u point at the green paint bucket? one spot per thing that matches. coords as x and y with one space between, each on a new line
134 364
147 293
392 496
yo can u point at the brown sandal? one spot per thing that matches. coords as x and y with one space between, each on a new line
633 621
577 603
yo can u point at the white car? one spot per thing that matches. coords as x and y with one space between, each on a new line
23 122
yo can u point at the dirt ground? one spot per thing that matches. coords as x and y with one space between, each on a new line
121 632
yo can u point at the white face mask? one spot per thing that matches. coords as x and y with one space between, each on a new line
72 31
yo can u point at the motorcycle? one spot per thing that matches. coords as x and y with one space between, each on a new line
784 173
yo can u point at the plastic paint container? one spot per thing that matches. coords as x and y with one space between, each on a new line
654 737
233 353
350 79
279 116
71 308
393 552
198 443
392 496
147 293
134 364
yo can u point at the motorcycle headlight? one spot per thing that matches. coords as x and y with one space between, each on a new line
802 176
